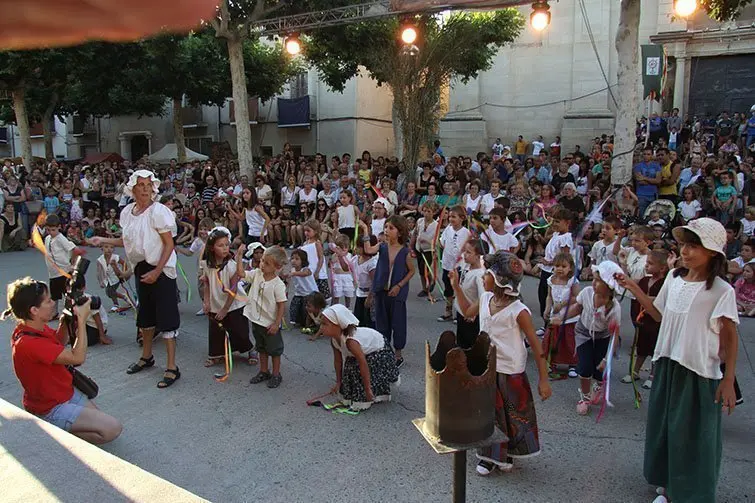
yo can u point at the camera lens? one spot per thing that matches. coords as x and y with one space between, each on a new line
94 305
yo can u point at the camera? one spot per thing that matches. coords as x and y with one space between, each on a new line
75 288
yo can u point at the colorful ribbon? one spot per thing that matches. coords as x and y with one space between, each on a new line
183 275
607 379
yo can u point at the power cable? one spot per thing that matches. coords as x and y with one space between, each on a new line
537 105
586 19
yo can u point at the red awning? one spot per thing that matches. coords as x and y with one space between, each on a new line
98 157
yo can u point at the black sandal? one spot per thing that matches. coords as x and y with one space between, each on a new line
142 364
168 381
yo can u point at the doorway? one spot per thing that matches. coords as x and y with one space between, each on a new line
139 147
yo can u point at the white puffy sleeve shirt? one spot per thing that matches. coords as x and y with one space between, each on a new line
691 323
141 235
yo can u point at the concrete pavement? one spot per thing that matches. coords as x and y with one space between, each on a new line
236 442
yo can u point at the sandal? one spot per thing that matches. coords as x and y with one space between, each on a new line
253 358
211 362
167 380
142 364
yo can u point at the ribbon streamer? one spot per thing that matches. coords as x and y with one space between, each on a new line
183 275
607 378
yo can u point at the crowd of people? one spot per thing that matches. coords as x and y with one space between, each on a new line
314 236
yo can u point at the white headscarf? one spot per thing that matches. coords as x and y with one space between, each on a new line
222 229
142 173
386 204
340 315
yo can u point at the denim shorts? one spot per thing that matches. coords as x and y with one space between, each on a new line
65 414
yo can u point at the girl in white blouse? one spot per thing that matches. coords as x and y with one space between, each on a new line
698 314
508 321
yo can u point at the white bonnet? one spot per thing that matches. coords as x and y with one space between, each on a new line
386 204
606 272
142 173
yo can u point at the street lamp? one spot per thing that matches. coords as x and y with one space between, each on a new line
408 34
541 16
293 45
685 8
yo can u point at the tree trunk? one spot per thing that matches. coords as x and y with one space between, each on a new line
628 79
240 105
47 132
178 130
22 121
398 133
47 121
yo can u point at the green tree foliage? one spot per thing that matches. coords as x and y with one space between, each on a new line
458 47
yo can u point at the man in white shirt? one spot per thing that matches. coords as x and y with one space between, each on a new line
537 146
497 149
689 176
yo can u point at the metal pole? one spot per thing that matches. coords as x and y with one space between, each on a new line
460 477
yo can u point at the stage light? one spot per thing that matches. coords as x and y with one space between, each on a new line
293 45
685 8
541 16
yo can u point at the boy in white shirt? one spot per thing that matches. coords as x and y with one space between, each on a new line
60 256
633 258
265 307
605 248
196 248
488 200
748 222
497 236
451 242
110 268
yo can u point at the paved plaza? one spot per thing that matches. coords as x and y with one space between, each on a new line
236 442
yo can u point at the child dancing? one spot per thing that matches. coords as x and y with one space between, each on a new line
563 289
364 363
505 318
599 319
221 303
390 286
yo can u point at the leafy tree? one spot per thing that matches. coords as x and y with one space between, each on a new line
629 71
94 79
192 67
456 48
233 23
33 79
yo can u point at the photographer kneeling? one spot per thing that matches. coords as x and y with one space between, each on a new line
40 360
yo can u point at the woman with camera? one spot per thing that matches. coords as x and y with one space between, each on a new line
41 361
148 230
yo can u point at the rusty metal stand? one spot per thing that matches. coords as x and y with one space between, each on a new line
460 455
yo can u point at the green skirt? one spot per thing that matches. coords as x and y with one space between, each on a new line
683 437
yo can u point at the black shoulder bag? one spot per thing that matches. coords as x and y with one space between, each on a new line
81 381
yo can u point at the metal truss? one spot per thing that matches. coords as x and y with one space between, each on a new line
320 19
359 12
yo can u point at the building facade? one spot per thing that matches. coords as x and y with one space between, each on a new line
559 82
357 119
551 83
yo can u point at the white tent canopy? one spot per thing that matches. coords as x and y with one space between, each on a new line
170 151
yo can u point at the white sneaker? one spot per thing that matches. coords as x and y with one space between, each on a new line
540 332
627 379
573 373
114 309
200 312
648 384
485 468
660 499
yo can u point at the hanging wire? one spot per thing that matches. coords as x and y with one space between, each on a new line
586 19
